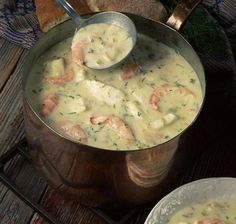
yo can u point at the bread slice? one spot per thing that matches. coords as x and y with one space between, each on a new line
50 14
152 9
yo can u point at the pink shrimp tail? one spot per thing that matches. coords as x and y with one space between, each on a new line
155 99
211 221
78 53
60 80
49 104
130 70
98 119
73 130
78 133
117 125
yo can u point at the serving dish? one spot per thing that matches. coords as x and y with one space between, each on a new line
99 177
200 191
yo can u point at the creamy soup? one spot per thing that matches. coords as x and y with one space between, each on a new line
100 45
145 101
206 213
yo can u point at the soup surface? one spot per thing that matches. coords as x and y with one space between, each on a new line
145 101
100 45
206 213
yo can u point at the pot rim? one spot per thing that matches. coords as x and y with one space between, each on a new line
90 147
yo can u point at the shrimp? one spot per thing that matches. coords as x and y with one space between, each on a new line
117 125
164 90
211 221
49 104
130 70
78 53
98 120
74 131
62 79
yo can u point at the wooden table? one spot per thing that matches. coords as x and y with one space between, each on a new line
212 143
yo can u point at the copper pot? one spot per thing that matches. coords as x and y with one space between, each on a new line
99 177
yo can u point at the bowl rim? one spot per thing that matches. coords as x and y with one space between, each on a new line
182 187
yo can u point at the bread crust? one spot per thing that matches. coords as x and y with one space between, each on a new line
50 14
151 9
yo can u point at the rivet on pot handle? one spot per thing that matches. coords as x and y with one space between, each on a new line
181 13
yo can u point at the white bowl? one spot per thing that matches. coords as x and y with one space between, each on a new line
217 189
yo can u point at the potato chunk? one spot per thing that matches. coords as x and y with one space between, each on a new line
76 105
158 124
133 109
169 118
56 67
164 121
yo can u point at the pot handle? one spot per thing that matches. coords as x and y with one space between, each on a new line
181 13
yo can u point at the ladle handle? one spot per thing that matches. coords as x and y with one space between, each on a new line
70 11
182 11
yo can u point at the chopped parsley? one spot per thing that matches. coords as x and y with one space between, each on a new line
90 51
178 84
188 215
37 91
72 113
180 65
143 79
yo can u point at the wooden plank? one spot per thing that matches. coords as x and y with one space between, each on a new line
11 119
67 212
12 209
9 56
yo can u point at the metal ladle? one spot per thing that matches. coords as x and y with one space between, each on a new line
110 17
